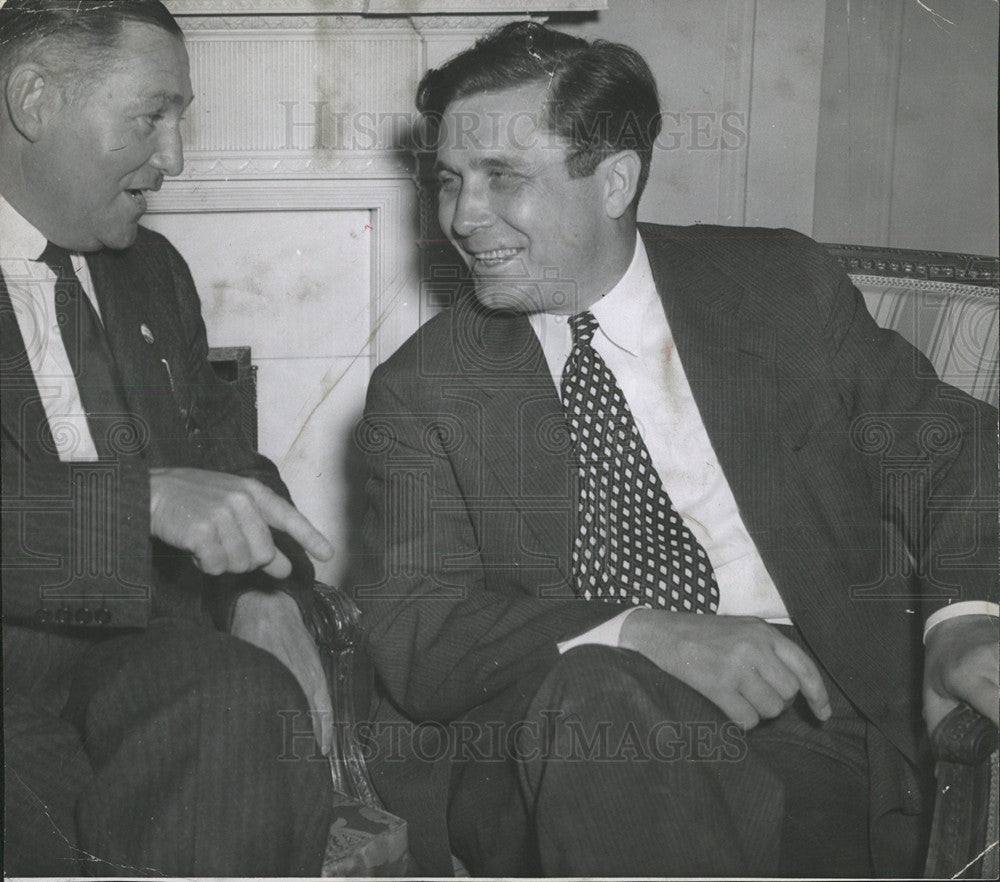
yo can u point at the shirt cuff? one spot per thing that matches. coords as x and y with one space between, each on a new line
964 608
605 634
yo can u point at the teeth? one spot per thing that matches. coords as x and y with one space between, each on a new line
499 254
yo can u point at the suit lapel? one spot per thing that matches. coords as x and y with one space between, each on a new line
132 312
525 446
729 360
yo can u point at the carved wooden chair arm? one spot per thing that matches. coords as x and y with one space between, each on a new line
963 841
334 622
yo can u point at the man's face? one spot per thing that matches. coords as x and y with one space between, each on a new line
534 238
110 140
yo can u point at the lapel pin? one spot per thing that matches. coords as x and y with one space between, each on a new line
147 334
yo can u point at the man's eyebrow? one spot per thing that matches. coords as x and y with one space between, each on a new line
489 163
506 163
169 98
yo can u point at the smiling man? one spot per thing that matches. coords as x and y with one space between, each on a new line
138 737
620 538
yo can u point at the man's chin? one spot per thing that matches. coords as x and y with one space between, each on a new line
504 295
122 238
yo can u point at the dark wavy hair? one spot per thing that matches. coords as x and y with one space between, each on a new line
602 95
73 38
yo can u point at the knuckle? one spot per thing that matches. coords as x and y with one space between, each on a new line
240 563
238 500
212 563
263 550
203 536
771 708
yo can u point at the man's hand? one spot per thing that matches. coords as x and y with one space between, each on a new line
272 622
224 521
741 664
961 658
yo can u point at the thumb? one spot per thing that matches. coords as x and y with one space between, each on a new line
280 566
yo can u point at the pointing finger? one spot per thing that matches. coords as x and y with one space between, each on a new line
282 515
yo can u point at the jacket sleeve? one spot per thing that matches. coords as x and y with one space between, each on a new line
53 570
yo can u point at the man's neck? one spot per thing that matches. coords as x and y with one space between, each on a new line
618 258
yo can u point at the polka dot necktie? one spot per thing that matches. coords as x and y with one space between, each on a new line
631 545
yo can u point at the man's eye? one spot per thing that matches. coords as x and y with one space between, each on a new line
447 184
502 179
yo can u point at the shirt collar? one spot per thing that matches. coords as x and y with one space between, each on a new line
620 313
20 240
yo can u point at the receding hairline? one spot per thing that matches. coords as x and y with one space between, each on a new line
78 53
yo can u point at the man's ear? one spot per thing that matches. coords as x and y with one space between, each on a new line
621 181
31 96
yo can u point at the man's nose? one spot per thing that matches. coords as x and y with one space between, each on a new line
473 210
169 155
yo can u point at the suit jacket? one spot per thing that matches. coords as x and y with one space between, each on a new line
76 540
867 485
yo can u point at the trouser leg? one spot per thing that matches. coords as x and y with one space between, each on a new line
621 769
607 772
644 776
45 766
187 730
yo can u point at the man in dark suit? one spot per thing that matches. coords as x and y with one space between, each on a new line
138 736
630 535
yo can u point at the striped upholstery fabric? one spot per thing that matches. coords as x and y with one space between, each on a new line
954 325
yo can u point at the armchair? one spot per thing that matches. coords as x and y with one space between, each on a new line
947 305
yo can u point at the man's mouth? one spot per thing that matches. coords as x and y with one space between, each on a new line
138 197
493 258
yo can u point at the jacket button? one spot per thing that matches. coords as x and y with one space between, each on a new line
103 616
83 616
64 616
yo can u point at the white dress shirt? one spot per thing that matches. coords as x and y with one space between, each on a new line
31 285
635 341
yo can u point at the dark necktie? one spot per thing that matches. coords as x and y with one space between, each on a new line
87 349
632 545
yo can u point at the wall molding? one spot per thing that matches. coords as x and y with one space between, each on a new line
283 165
